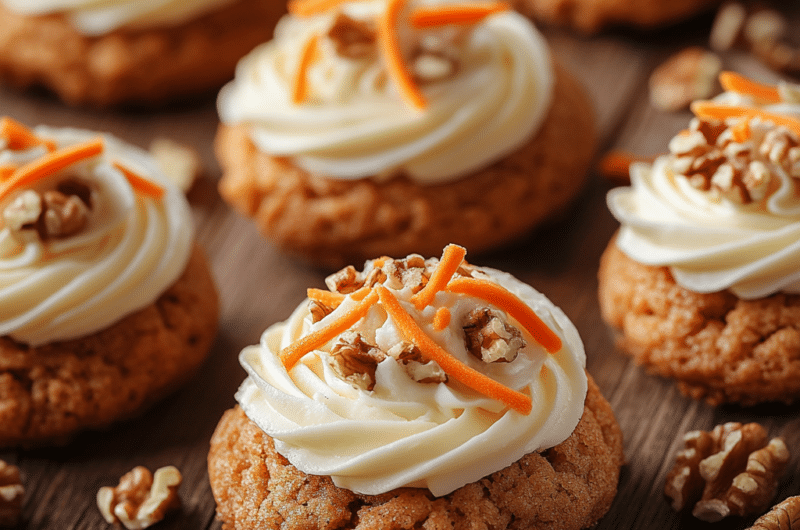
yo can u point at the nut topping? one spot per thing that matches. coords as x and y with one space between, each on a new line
354 39
11 494
57 213
689 75
24 211
416 367
732 471
783 516
355 360
491 339
63 215
141 499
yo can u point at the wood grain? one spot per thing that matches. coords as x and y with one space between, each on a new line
259 286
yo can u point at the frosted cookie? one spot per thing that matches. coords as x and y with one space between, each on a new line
703 278
106 304
590 16
111 52
403 399
391 127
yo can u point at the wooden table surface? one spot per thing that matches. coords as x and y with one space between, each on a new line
259 286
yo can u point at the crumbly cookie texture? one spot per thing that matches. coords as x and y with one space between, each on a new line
149 66
591 16
50 392
569 486
336 222
718 347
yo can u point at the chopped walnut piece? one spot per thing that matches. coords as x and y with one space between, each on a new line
63 215
408 271
24 211
61 212
345 281
491 339
429 67
353 38
181 164
738 468
318 310
355 360
141 499
783 516
420 371
689 75
782 148
11 494
726 32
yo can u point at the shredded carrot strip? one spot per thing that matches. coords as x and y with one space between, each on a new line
452 257
508 302
452 366
441 319
300 81
6 172
615 166
307 8
138 182
17 135
325 297
741 131
457 14
733 82
49 164
293 353
395 63
715 111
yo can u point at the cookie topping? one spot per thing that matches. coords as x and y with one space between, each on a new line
355 360
491 339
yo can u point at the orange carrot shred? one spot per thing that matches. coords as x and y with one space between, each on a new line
456 14
325 297
395 63
6 172
49 164
145 186
508 302
741 131
615 166
452 257
441 319
293 353
300 81
715 111
733 82
17 135
307 8
451 365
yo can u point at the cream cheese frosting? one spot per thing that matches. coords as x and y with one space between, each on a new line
737 227
131 249
97 17
488 89
439 435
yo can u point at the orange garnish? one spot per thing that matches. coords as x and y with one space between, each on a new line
715 111
300 81
741 131
441 319
457 14
615 166
307 8
452 366
49 164
395 63
17 135
452 257
508 302
293 353
324 297
6 171
141 184
733 82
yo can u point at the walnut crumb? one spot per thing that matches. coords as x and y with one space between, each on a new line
57 213
416 367
355 360
141 499
783 516
731 470
11 494
490 338
354 39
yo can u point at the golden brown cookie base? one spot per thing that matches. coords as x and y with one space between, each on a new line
50 392
569 486
715 345
148 66
590 16
338 222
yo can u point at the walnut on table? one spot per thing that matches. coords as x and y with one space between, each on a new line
141 499
783 516
731 470
11 494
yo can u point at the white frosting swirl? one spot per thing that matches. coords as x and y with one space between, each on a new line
132 248
711 243
97 17
403 433
355 125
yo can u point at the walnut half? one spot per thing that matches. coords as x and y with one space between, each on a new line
141 499
11 494
491 339
731 470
